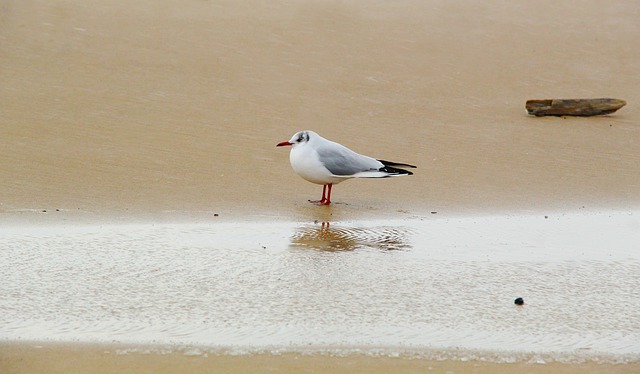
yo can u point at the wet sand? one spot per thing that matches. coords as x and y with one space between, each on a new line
69 358
170 111
119 109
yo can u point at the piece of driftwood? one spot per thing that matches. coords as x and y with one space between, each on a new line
573 107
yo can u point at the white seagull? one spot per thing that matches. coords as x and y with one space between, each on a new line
324 162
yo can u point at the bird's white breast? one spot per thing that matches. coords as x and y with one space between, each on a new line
306 163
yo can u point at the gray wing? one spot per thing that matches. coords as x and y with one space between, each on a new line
340 160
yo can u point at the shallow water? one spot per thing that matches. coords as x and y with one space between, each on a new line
436 285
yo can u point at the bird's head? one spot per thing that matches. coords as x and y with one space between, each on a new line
301 137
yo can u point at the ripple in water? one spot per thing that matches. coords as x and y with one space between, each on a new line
331 238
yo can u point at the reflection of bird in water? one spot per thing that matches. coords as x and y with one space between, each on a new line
326 238
324 162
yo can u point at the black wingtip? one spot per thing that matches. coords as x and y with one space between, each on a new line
396 164
395 171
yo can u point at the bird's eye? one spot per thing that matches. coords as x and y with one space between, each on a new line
300 138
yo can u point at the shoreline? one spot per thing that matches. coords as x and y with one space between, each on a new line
454 354
100 357
305 212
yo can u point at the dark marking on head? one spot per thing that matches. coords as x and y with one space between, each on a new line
303 136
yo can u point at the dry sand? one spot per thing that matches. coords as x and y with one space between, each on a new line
171 109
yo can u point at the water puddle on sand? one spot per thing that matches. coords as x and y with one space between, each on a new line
439 287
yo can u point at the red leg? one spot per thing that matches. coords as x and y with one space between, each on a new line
321 202
328 200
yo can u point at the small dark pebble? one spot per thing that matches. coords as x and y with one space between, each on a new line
44 210
434 212
519 301
545 217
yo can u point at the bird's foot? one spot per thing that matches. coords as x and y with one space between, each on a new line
320 202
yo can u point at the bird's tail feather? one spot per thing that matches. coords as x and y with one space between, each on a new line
395 171
384 172
390 169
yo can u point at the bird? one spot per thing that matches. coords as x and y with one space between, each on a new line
322 161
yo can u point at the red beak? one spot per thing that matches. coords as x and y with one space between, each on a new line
283 144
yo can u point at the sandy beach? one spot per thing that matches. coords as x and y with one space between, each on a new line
119 109
57 358
118 114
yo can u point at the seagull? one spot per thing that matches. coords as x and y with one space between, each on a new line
324 162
